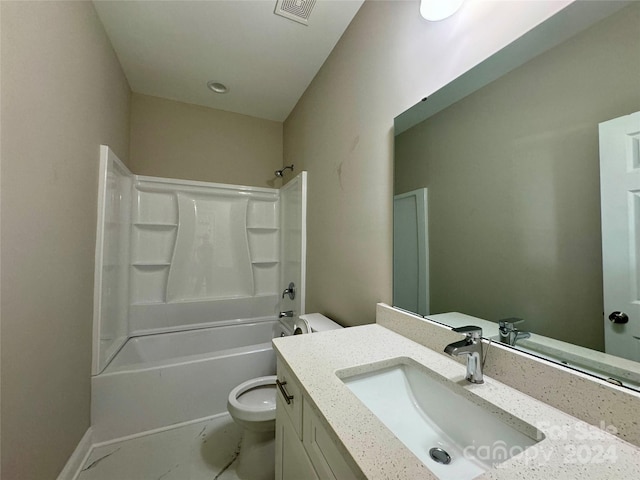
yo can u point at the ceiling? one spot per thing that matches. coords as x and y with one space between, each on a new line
171 49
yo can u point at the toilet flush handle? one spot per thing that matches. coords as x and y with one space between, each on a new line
283 391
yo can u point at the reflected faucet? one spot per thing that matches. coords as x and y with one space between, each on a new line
471 346
288 314
509 334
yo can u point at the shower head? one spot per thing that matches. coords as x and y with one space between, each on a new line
280 173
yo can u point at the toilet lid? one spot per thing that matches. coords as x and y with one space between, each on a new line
262 396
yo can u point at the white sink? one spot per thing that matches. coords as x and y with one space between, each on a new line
426 411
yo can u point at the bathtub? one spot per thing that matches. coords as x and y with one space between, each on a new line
164 379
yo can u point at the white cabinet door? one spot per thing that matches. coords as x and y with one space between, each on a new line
620 198
322 450
292 462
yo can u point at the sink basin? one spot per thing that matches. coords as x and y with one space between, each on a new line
455 433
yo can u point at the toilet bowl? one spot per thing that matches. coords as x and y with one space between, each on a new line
252 405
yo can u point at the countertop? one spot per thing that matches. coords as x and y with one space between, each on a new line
571 448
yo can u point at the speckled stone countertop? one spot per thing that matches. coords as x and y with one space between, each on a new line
571 449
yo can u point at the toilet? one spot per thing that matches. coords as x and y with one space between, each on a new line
252 405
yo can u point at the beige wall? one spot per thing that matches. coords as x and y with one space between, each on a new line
341 131
63 94
179 140
514 192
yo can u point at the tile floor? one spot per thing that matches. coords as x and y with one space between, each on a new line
205 450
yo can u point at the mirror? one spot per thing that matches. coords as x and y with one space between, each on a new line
502 170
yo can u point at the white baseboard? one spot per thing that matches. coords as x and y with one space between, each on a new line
78 457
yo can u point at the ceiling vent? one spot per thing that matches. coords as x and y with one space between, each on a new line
296 10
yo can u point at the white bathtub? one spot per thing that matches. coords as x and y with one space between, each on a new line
164 379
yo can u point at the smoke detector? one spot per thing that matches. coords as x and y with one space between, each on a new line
296 10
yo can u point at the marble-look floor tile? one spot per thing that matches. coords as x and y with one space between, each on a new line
200 451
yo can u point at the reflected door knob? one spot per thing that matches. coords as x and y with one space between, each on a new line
619 317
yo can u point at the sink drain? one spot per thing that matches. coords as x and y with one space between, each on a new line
440 456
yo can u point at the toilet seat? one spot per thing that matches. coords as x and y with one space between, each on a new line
254 400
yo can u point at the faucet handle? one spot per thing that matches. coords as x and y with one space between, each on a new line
471 331
290 290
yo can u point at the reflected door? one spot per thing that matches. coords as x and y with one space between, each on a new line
411 252
620 200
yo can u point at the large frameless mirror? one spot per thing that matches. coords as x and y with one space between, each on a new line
498 200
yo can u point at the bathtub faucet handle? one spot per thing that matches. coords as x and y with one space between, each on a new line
290 290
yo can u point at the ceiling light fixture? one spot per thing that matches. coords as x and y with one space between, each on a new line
217 87
435 10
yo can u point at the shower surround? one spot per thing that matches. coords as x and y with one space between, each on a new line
174 256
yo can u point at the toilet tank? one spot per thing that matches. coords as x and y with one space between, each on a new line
307 323
315 322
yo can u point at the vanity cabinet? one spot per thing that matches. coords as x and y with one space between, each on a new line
292 461
305 448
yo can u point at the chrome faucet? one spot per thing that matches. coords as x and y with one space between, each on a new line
471 346
509 334
288 313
